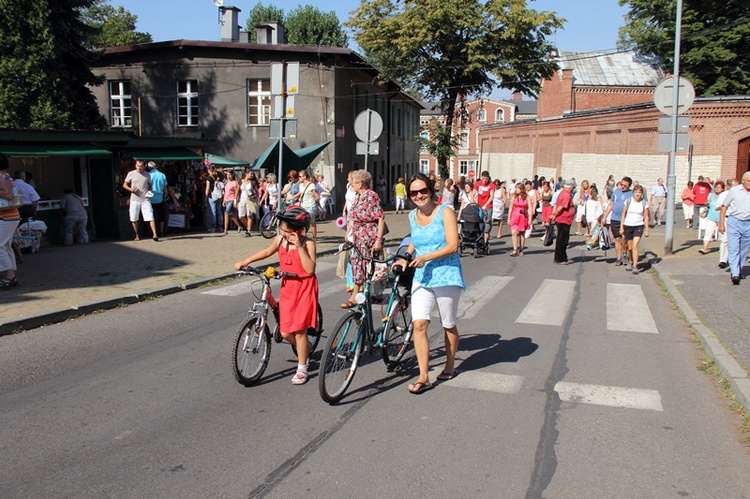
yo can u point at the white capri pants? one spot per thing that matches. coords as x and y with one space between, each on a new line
423 300
141 206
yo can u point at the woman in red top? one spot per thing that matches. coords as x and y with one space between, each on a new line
520 218
298 297
688 204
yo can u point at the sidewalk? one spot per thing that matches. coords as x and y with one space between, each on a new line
63 282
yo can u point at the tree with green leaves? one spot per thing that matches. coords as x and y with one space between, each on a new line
302 26
309 26
453 51
112 27
45 69
714 41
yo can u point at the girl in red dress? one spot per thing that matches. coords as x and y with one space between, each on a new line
298 297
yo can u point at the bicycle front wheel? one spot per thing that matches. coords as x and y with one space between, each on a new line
397 332
268 225
251 351
341 357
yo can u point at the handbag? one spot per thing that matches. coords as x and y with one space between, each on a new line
15 202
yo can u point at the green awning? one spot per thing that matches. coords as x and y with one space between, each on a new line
163 154
291 160
53 150
222 161
308 154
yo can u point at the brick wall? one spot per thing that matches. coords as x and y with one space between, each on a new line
619 142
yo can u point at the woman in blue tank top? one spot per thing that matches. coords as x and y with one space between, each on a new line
438 278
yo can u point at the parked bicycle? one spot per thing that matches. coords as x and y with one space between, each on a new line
251 348
268 225
356 330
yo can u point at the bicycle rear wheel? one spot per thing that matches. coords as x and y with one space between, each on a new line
397 332
313 335
341 357
251 351
268 225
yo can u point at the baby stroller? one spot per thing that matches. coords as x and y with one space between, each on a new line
470 233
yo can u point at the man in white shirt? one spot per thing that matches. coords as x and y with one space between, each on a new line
30 196
658 201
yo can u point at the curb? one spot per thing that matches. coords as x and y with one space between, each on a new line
730 369
20 324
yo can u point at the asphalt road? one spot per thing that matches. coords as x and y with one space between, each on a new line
575 381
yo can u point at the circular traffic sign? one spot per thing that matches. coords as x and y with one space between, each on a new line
664 95
368 125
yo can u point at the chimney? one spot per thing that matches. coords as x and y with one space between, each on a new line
230 28
270 33
518 96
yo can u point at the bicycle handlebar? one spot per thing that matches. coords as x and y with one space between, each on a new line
248 270
349 246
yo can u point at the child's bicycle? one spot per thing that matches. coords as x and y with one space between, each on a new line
251 349
356 330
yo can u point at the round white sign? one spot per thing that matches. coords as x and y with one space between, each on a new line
664 95
368 125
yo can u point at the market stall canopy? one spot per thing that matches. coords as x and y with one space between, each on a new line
163 154
222 161
53 150
291 160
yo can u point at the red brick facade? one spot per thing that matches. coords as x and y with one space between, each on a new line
621 141
560 95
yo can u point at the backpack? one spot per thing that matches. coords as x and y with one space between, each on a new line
605 239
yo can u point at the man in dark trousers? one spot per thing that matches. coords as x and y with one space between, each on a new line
563 214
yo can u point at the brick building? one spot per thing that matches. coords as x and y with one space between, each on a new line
478 112
621 141
597 80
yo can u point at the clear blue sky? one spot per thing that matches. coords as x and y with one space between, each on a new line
591 24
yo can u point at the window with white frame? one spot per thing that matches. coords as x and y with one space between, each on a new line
424 166
463 139
121 104
499 115
465 165
258 102
482 115
187 103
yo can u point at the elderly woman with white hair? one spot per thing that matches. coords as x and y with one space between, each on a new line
367 228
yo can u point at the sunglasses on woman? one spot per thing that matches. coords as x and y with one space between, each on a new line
424 191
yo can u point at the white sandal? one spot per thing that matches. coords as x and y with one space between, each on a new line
300 377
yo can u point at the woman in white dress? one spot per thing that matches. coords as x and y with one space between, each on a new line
309 199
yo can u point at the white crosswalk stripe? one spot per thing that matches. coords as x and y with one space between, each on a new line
628 310
612 396
490 382
478 295
549 305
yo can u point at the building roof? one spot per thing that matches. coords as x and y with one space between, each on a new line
612 69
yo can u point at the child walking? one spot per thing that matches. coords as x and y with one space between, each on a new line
298 297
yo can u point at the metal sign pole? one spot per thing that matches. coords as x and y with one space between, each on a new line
672 176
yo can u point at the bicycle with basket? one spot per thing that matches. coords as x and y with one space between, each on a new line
251 348
356 329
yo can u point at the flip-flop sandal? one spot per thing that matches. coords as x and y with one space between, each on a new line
348 304
444 376
420 387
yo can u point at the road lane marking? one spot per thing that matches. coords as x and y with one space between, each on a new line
627 309
489 382
612 396
234 289
549 305
478 295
